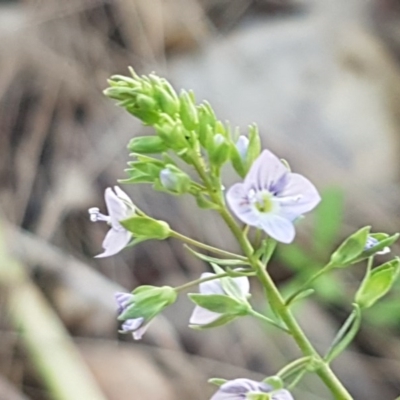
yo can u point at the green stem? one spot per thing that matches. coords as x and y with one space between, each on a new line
277 302
305 285
200 280
293 367
204 246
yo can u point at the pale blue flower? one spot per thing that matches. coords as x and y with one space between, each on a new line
372 242
134 325
202 316
271 197
119 207
239 389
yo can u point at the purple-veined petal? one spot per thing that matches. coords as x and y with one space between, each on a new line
210 287
240 204
279 228
117 209
238 388
266 171
123 300
201 316
282 395
131 325
297 196
114 242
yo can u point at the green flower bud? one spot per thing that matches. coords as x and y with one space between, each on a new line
188 111
172 133
140 307
350 249
144 227
219 150
147 145
377 283
174 180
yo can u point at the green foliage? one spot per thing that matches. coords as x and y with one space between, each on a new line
146 227
377 283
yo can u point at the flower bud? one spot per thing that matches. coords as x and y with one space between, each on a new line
219 150
147 145
242 145
174 180
377 283
140 307
188 111
144 227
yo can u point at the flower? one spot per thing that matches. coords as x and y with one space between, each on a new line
372 242
239 389
134 325
202 316
271 197
119 207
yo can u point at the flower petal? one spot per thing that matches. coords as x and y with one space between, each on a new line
282 395
117 209
138 334
123 300
266 171
243 284
123 196
210 287
201 316
279 228
238 388
237 199
114 242
131 325
297 196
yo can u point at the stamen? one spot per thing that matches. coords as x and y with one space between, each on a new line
96 215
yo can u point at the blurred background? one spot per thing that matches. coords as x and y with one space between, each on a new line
322 80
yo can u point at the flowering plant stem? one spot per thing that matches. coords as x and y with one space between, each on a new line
204 246
275 299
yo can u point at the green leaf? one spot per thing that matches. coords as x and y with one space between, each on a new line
146 227
220 304
302 295
377 283
219 261
350 249
217 381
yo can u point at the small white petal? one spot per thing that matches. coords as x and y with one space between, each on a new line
243 284
201 316
123 196
278 228
138 334
132 324
240 204
117 209
114 242
210 287
298 196
282 395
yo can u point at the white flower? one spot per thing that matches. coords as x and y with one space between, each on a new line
202 316
119 207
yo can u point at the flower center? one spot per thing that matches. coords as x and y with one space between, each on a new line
264 203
